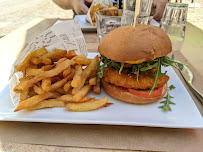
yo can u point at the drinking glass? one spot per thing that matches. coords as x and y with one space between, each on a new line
110 19
146 5
173 23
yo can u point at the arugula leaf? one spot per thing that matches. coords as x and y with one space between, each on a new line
148 67
138 72
171 87
166 107
157 73
121 68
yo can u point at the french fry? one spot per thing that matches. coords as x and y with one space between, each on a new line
36 60
93 81
82 59
24 95
77 79
60 90
87 106
60 83
66 72
70 54
60 61
50 103
97 89
82 93
46 61
53 72
38 89
35 100
67 86
108 104
26 63
88 70
46 84
33 72
67 97
54 53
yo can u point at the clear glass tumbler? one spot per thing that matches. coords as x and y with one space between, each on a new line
110 19
173 23
129 5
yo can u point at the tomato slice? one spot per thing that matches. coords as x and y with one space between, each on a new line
145 93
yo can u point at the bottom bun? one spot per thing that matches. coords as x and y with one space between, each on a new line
119 93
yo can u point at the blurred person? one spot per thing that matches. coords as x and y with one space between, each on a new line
78 6
81 6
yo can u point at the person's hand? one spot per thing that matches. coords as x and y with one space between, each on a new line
79 6
159 6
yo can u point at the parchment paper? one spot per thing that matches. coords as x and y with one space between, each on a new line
65 35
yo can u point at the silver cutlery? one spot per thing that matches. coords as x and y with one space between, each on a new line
188 76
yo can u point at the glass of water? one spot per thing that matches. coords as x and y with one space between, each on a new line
146 5
110 19
173 23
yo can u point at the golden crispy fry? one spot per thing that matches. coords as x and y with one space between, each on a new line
60 61
47 67
67 97
82 93
82 59
26 63
24 73
87 106
46 61
93 81
53 72
46 84
24 95
60 90
94 23
36 99
60 83
97 88
108 104
66 72
87 72
36 60
67 86
70 54
54 53
77 79
50 103
33 72
37 89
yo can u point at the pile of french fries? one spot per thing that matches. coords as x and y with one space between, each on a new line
98 6
58 79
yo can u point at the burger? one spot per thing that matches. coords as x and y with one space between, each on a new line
132 58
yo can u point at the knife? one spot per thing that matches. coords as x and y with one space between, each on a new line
188 76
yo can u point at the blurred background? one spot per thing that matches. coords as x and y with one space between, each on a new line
15 13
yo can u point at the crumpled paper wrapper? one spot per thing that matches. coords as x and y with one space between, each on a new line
66 35
104 3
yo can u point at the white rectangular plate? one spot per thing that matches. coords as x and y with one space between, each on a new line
183 115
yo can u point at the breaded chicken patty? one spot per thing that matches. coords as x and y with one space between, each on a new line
129 80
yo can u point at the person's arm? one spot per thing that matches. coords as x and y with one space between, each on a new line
77 5
159 6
